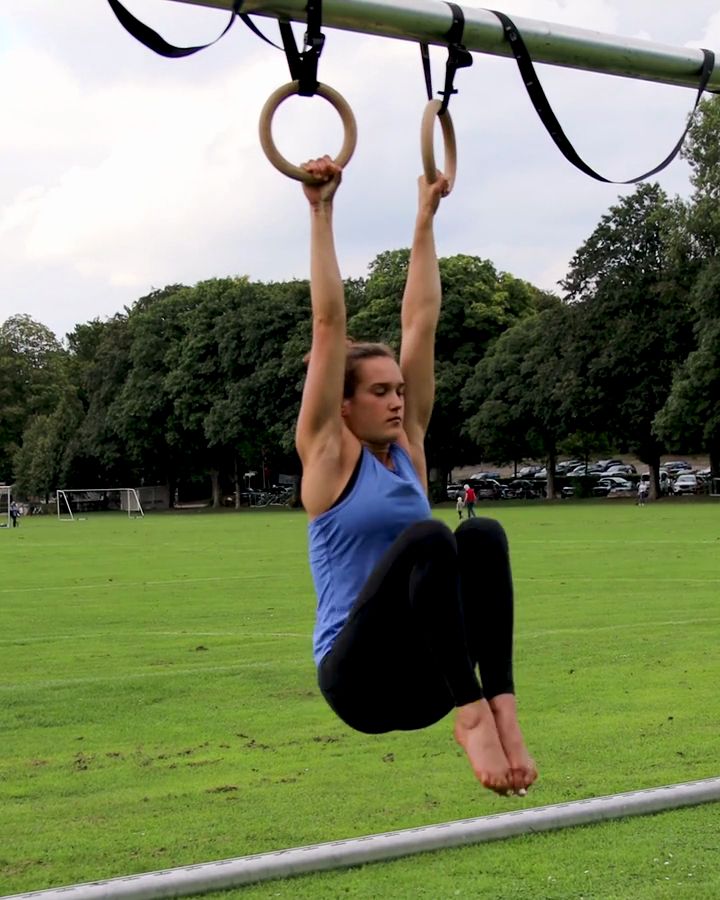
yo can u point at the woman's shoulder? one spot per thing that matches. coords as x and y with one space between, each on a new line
326 475
416 458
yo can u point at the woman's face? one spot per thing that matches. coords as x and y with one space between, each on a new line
374 413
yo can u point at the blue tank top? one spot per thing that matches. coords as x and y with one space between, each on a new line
347 541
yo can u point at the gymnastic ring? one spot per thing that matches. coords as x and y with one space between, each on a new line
427 134
266 140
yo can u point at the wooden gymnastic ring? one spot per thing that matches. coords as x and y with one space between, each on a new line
266 140
427 134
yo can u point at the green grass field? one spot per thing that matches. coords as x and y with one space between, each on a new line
158 707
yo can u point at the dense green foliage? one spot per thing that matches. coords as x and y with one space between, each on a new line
201 382
193 385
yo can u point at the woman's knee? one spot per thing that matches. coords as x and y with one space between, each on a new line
489 532
430 532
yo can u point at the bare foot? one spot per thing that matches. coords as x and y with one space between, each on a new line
477 734
522 766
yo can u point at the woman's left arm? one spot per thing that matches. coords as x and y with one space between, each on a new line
420 314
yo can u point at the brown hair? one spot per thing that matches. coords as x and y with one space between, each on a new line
356 353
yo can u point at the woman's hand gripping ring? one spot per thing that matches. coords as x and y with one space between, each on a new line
427 133
268 144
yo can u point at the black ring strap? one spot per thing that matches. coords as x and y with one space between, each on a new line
458 57
303 66
155 42
549 120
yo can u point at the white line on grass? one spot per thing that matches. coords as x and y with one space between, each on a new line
590 542
565 579
123 584
569 579
48 638
591 628
305 659
133 676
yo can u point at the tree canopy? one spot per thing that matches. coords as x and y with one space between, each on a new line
196 384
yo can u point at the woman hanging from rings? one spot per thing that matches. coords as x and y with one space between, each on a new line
412 619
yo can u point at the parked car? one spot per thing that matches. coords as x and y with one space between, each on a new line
520 489
528 471
604 464
488 489
611 483
578 472
566 465
677 466
625 469
454 490
622 490
686 484
583 471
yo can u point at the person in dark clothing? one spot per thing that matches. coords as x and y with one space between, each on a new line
14 514
405 632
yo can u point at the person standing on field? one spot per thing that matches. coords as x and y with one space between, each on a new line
470 498
459 505
404 633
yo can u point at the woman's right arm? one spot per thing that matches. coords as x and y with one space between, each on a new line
319 427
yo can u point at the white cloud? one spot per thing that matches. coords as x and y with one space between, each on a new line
120 171
711 34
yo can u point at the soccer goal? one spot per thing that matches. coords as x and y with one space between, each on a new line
77 503
5 499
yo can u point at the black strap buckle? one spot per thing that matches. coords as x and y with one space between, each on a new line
303 66
459 57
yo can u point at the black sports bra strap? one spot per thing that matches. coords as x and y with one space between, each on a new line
347 490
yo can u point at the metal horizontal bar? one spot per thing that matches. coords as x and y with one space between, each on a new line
229 873
429 20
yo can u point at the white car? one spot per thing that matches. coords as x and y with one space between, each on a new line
685 484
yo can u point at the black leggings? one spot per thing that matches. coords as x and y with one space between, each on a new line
436 606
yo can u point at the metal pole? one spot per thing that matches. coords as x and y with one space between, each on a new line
231 873
429 20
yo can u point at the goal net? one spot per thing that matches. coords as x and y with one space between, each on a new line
5 506
78 503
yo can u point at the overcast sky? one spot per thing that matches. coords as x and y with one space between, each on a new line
121 172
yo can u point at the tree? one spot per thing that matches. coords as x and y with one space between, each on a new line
633 324
691 417
702 151
43 463
478 305
519 392
99 364
31 381
235 376
141 411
